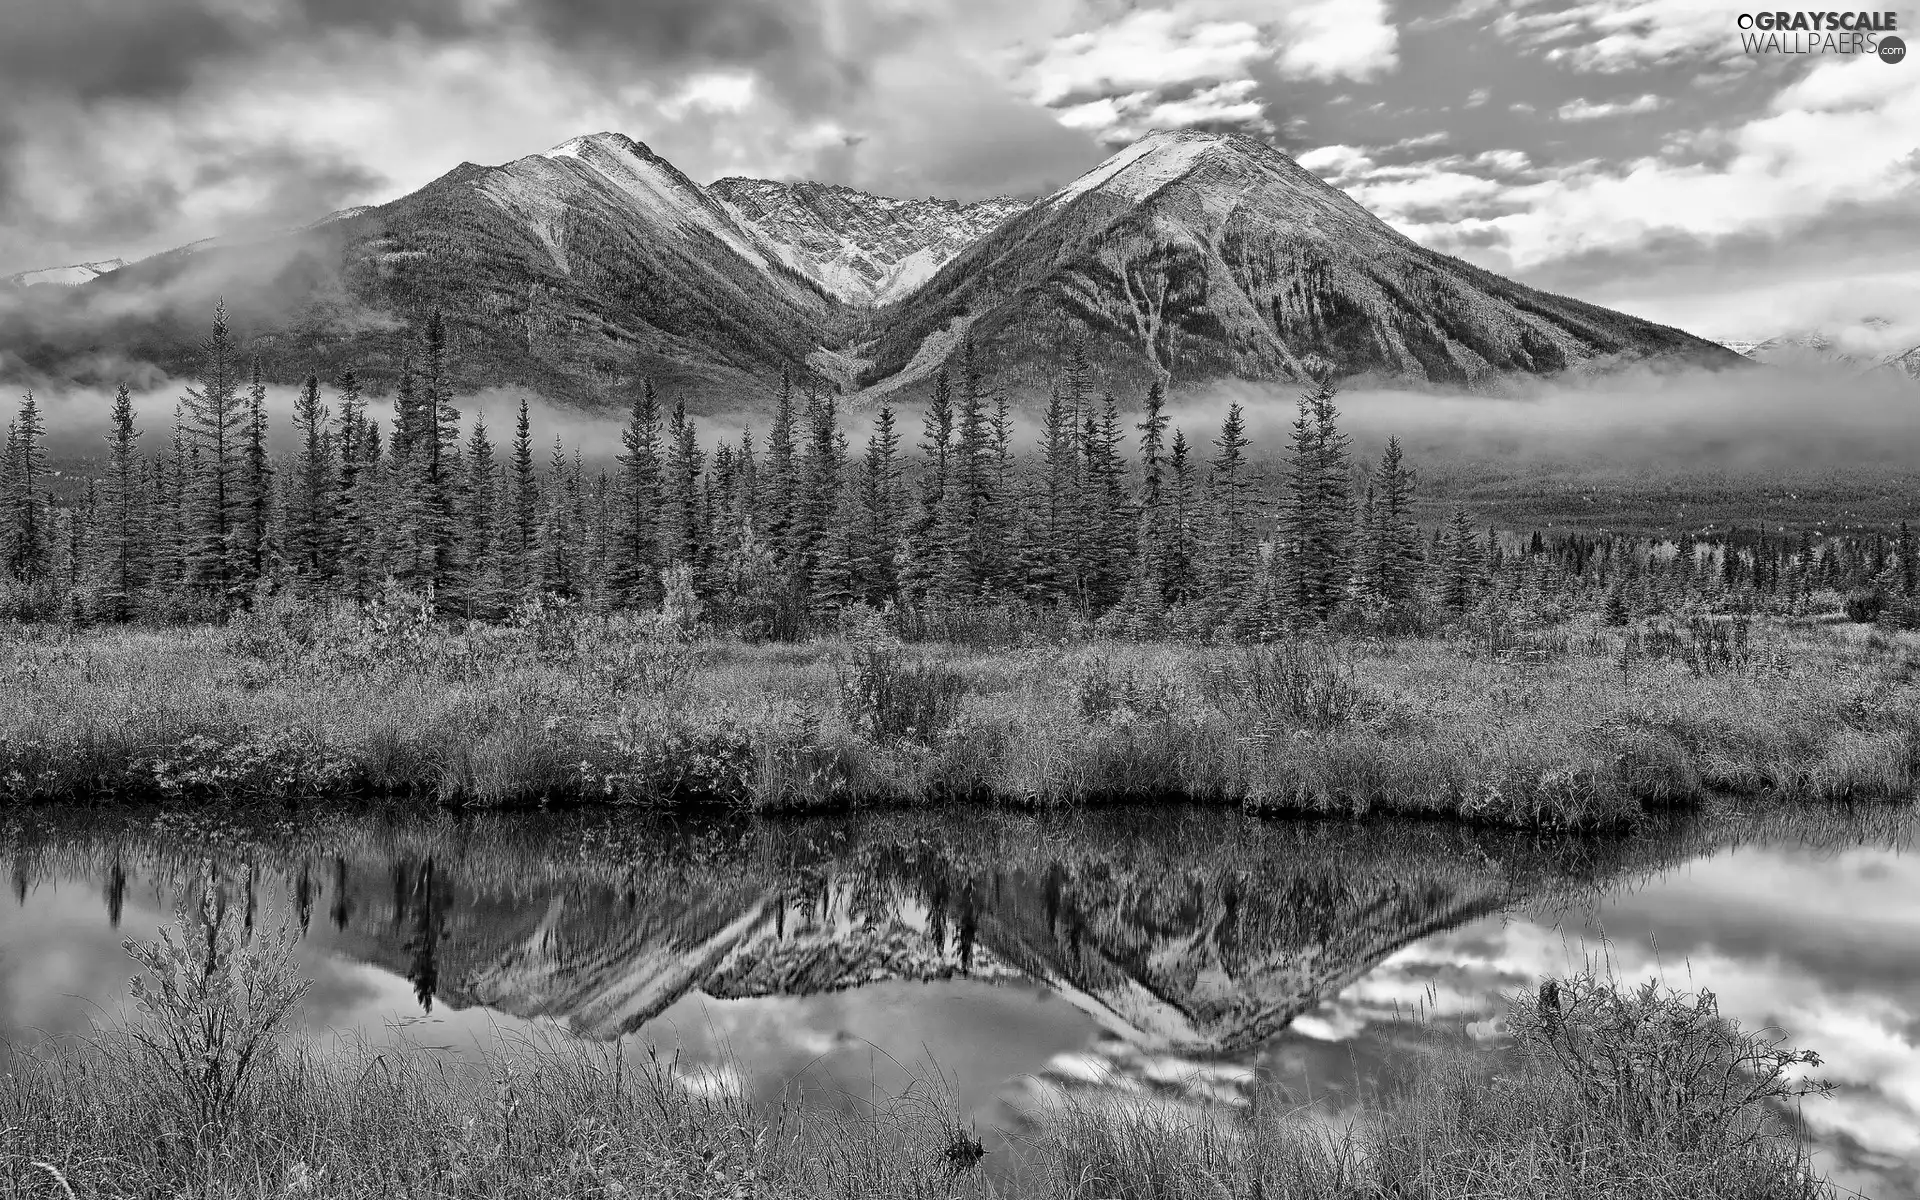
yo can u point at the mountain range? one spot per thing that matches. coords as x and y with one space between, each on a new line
1187 257
1820 350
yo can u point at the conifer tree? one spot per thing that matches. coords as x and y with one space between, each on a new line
876 518
351 434
519 563
636 540
780 481
29 521
1152 534
684 462
310 536
1396 550
1317 517
256 481
1109 527
484 595
1229 535
558 572
934 569
1183 511
1460 568
123 539
216 426
1054 573
1909 569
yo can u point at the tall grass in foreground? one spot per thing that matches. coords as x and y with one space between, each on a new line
1583 729
1605 1091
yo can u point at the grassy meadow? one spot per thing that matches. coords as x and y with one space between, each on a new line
1576 726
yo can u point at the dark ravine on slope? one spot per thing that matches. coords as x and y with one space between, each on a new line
578 272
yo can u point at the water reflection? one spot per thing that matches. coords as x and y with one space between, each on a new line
1172 954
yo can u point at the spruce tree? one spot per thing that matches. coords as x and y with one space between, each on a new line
484 592
310 536
216 426
875 545
29 520
1396 550
519 563
1229 535
685 534
636 538
1181 535
1909 569
1460 570
256 482
123 544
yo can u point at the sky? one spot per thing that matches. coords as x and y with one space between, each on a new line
1629 152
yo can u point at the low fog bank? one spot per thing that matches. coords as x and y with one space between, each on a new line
1766 419
1747 420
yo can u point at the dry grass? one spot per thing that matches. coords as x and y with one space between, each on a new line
1586 729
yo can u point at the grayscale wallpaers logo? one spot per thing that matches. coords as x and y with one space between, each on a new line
1822 33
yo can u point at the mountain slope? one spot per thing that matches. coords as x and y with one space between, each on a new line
574 272
1196 255
862 248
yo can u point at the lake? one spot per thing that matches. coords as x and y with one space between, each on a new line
1175 953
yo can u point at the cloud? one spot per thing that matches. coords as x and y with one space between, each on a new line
1584 110
1611 36
1199 63
126 129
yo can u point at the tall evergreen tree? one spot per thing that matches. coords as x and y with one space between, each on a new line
636 539
256 482
29 518
123 538
1229 534
484 593
1460 565
1909 569
876 543
1395 555
310 536
519 561
216 426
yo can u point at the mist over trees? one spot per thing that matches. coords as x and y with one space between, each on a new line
1117 518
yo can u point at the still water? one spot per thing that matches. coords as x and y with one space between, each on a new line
1178 953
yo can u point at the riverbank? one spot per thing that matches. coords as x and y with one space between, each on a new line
1578 727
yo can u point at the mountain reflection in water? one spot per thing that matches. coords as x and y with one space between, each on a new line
1168 953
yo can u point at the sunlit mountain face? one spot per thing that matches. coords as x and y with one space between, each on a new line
1186 956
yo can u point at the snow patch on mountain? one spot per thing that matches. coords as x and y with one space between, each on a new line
70 276
862 248
1160 157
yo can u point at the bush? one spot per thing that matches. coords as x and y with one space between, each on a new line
892 697
1863 607
1293 683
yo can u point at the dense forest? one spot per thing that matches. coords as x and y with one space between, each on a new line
1117 520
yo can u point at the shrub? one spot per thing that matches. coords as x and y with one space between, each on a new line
215 999
1292 683
892 697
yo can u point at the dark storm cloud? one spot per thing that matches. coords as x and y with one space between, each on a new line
154 49
68 66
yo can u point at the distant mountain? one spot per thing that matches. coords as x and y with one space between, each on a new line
579 271
72 276
861 248
574 272
1863 351
1199 255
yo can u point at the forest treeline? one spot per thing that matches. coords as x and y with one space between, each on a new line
1122 520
